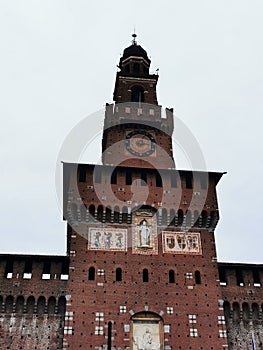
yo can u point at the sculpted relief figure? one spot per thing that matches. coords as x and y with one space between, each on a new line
144 234
145 342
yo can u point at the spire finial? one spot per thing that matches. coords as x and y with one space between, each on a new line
134 35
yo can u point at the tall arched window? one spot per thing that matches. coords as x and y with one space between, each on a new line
204 218
91 273
124 214
62 305
137 94
180 217
245 310
51 306
41 302
145 275
171 276
118 274
100 213
255 312
164 217
20 304
236 312
92 211
30 305
116 214
188 219
9 304
196 217
172 217
227 311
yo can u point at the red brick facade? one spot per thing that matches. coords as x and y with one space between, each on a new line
141 270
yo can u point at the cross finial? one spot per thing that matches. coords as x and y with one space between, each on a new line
134 42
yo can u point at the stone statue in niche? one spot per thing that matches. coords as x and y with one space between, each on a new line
144 231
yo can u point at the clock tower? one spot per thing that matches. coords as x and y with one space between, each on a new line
143 272
136 130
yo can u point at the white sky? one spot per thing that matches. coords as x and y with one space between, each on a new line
58 64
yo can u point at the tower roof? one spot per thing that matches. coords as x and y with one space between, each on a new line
134 50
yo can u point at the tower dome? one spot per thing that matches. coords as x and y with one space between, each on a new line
135 60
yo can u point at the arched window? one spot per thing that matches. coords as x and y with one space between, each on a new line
255 312
145 275
171 276
127 68
9 304
41 305
164 217
124 214
92 211
180 217
118 274
137 94
245 310
188 219
91 273
196 217
214 219
197 277
30 305
62 305
236 312
227 311
108 214
51 306
172 217
20 304
116 214
204 218
100 213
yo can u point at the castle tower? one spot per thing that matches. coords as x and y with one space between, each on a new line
143 271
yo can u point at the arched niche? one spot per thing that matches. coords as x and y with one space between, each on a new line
147 331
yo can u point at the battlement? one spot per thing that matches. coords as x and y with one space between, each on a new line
143 114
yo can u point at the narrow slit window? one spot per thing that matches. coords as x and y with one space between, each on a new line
145 275
118 274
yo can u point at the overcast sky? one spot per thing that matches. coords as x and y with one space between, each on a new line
57 66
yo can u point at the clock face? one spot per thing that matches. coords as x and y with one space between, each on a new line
140 143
